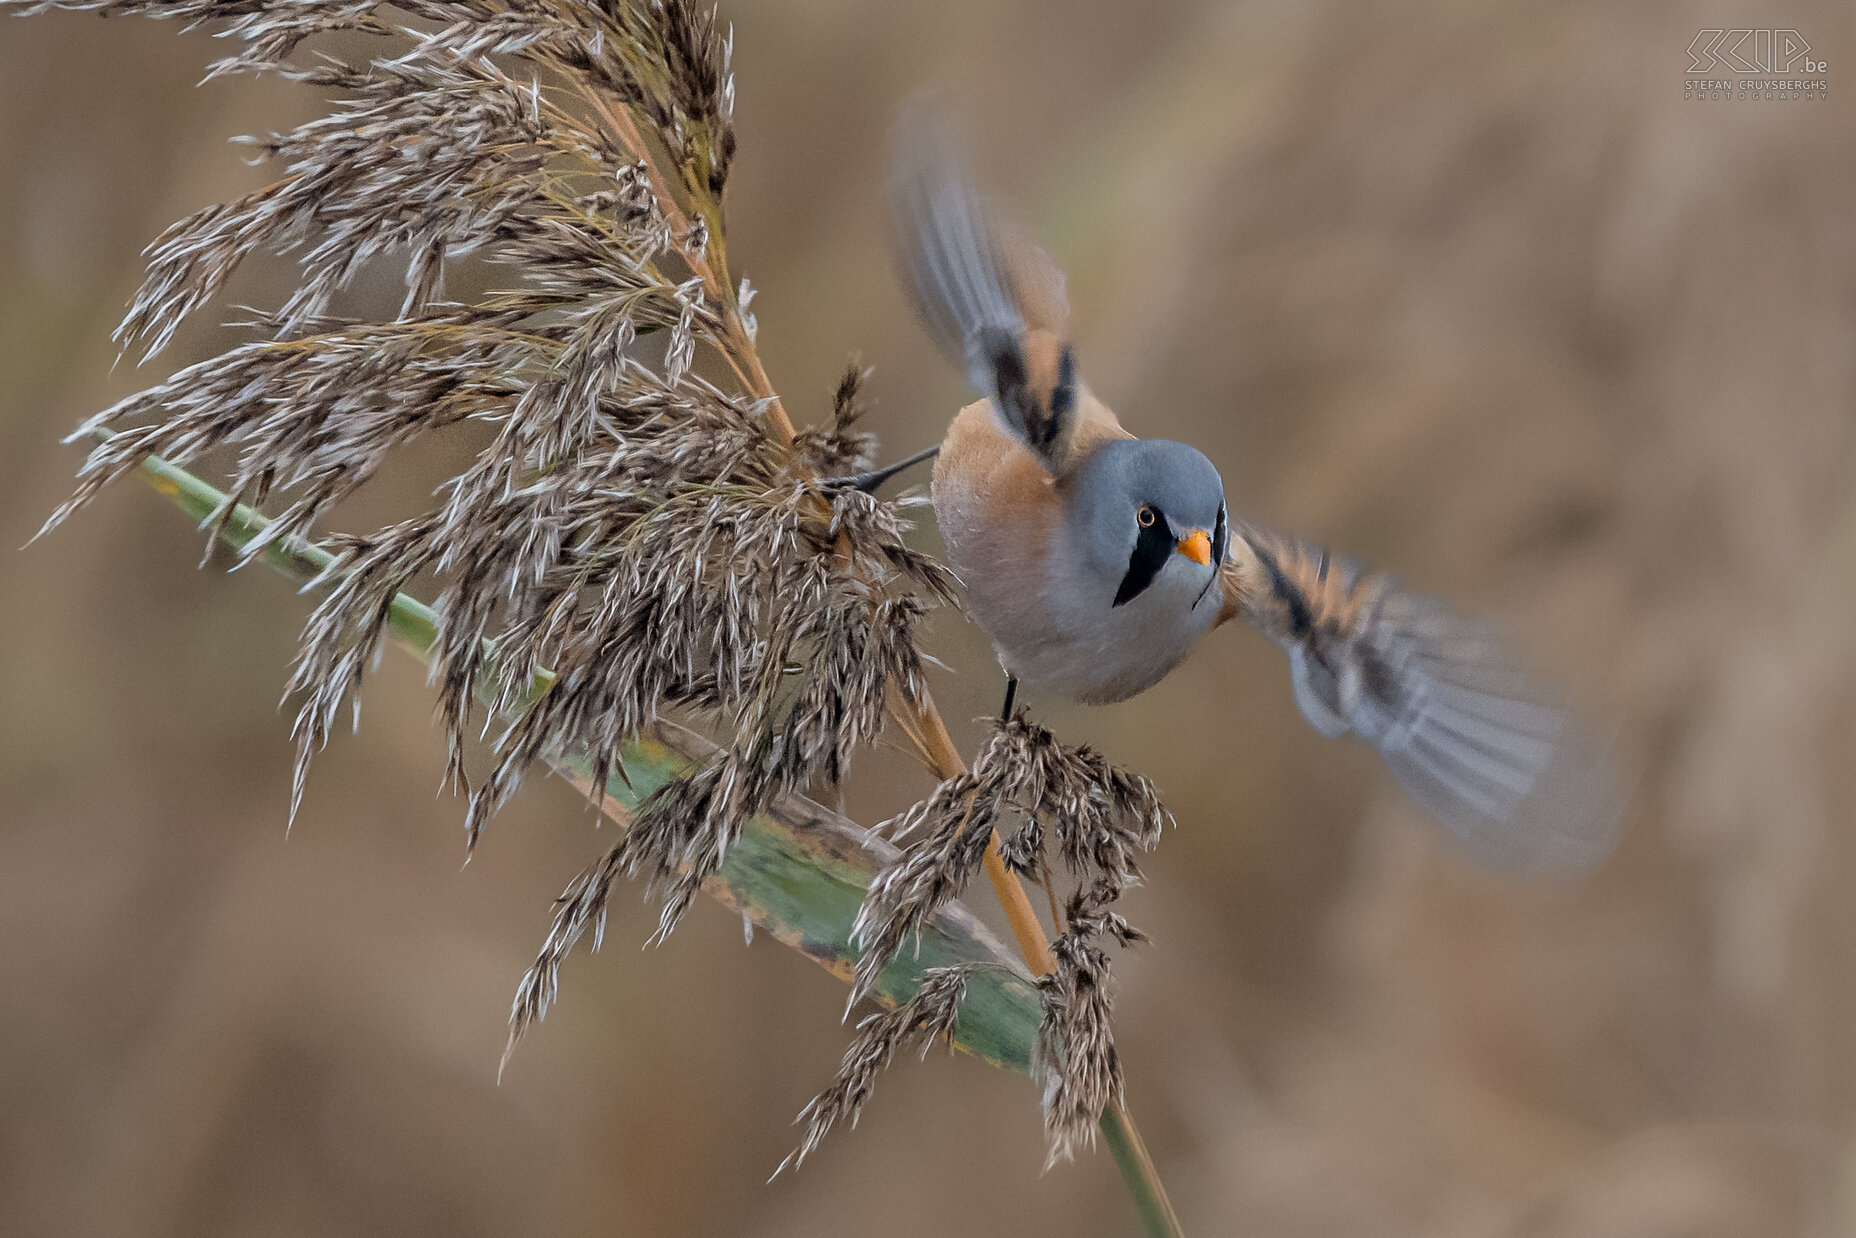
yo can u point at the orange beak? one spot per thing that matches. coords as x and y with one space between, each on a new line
1197 546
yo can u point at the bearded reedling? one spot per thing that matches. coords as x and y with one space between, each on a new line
1094 560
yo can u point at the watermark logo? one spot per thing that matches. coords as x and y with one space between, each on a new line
1754 66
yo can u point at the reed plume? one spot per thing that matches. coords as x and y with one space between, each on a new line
641 533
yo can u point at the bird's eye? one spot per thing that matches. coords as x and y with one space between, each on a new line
1146 516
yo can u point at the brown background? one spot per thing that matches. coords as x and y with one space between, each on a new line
1467 288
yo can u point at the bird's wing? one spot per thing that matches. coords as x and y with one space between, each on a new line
1461 725
990 297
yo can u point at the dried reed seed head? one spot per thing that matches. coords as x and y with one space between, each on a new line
426 160
948 832
1075 1054
521 565
580 907
1098 815
667 58
837 449
791 647
726 602
931 1014
628 541
439 148
1023 851
1086 913
682 832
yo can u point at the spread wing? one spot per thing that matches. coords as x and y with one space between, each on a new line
1462 726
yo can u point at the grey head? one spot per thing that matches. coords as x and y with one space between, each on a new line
1135 503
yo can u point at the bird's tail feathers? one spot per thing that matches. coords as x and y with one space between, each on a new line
947 238
992 299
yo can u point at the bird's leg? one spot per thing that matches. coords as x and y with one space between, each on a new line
1011 695
875 477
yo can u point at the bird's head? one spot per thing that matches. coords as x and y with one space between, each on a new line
1147 512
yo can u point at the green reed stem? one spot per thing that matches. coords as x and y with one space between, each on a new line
1139 1173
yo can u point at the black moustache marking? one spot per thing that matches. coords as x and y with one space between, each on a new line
1151 549
1220 536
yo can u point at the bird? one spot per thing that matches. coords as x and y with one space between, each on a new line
1094 561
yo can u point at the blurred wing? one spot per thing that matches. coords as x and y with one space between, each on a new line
1463 728
946 237
991 298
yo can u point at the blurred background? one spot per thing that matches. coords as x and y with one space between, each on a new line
1468 289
